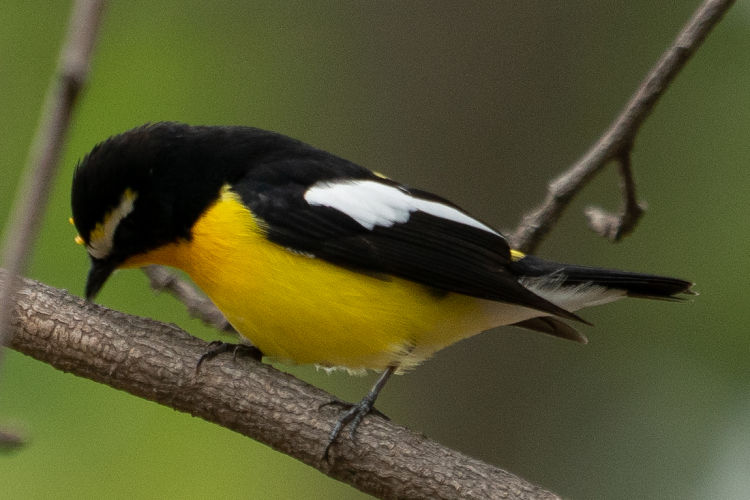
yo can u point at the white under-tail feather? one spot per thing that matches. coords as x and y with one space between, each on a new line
571 297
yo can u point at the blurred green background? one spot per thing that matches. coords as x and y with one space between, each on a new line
482 102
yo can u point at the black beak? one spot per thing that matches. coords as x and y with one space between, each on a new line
98 274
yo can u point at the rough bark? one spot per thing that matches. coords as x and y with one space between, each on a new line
157 361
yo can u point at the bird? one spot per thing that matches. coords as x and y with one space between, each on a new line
314 259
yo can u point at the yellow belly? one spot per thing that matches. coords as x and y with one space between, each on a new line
298 308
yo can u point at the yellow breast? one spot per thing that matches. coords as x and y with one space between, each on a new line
302 309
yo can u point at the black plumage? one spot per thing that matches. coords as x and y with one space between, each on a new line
178 170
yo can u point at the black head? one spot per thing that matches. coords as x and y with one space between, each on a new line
145 188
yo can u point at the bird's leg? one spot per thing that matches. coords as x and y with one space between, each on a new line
356 412
217 347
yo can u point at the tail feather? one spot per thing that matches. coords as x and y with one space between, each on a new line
634 284
553 326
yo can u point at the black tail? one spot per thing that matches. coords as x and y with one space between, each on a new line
635 284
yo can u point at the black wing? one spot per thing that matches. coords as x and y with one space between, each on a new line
435 251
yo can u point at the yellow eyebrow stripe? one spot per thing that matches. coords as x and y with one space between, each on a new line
100 237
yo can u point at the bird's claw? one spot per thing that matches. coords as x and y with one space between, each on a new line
352 417
217 347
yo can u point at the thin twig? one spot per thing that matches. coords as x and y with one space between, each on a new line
10 440
44 154
617 141
157 361
197 304
615 226
614 144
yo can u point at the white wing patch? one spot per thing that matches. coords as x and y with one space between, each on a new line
100 238
372 203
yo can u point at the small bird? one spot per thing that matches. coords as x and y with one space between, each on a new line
317 260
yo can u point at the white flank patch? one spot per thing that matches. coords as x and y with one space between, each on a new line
300 253
571 297
100 238
372 203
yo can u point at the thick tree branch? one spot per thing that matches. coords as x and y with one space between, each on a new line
156 361
616 143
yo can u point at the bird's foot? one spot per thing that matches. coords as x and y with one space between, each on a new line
218 347
356 412
351 416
